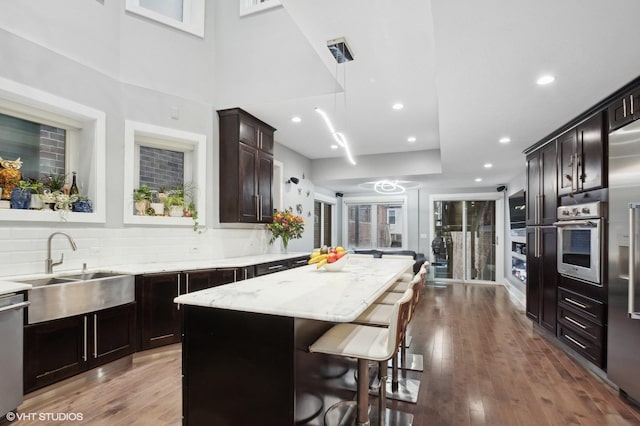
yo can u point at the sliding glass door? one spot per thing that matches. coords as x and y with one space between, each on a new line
465 236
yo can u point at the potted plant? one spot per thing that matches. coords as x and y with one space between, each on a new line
21 195
175 204
141 198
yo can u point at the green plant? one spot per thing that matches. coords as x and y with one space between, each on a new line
31 185
143 193
174 200
54 182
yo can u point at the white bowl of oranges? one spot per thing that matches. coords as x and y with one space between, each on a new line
329 258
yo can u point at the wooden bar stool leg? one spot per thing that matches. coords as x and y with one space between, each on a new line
382 394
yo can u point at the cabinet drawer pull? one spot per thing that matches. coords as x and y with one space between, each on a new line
574 322
575 341
624 107
631 102
573 302
178 290
275 267
84 356
95 336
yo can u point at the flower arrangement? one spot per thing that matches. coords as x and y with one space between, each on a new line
286 225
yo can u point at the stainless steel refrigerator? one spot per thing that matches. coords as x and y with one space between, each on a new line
623 347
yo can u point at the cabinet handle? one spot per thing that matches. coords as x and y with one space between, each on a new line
632 263
574 322
178 289
95 336
235 275
257 207
573 302
624 107
84 356
575 341
275 267
631 103
186 282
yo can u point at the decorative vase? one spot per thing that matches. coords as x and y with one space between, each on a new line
176 211
285 245
158 208
36 202
141 207
83 206
20 199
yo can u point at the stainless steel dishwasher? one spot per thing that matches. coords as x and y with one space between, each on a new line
11 329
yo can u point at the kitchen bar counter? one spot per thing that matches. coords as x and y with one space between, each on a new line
245 345
306 292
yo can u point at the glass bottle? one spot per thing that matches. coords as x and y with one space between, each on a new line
74 186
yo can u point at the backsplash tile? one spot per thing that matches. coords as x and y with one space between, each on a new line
24 250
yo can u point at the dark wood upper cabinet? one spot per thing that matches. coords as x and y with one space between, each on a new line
580 157
246 168
541 186
624 110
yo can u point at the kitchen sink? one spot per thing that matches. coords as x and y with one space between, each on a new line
90 276
75 294
46 281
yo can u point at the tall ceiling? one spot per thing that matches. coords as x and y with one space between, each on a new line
465 71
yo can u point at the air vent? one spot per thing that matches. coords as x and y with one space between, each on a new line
340 50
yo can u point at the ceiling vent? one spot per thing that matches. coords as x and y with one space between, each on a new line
340 50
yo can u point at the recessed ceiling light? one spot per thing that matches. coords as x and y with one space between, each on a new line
397 106
296 119
545 79
505 140
488 165
478 179
334 146
411 139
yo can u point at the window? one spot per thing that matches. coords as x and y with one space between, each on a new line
377 223
53 136
185 15
248 7
163 158
322 224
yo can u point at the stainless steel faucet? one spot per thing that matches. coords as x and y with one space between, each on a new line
49 263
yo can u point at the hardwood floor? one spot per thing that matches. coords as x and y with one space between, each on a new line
484 365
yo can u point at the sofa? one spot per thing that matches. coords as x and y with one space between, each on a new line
419 258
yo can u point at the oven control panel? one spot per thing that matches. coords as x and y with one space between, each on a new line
581 211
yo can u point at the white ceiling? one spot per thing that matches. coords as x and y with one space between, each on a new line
465 71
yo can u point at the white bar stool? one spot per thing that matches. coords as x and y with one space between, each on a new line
367 343
403 389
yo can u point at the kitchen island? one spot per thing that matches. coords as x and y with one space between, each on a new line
245 357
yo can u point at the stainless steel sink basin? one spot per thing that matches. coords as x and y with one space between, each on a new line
68 295
90 276
46 281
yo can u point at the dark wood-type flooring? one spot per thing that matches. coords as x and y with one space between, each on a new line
484 365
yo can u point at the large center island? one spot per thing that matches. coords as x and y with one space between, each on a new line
245 356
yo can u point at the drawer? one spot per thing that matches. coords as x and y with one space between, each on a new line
578 323
298 261
582 345
271 267
588 307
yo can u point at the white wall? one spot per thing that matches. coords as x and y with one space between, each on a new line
96 54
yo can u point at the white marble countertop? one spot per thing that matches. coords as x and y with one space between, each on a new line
152 267
7 287
307 292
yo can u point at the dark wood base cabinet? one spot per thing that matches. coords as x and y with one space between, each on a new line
582 325
542 276
58 349
158 315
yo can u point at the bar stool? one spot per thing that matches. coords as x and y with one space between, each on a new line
403 389
366 343
402 284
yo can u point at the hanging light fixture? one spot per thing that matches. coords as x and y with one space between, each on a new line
338 136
